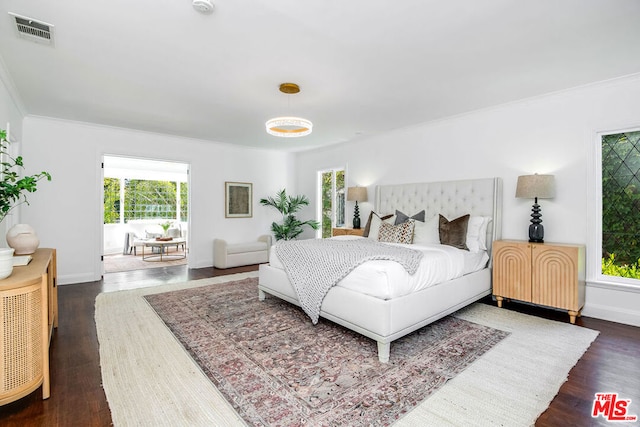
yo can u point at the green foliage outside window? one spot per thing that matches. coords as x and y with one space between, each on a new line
621 204
611 268
149 199
328 201
111 200
184 198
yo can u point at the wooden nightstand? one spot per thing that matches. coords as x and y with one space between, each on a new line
548 274
347 231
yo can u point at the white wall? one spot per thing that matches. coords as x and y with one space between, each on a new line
66 212
551 134
10 119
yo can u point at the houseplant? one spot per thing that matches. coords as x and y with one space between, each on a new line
165 227
291 227
13 188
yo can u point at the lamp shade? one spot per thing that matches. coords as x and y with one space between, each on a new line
357 194
536 186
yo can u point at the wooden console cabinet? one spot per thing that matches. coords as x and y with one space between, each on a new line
29 312
547 274
347 231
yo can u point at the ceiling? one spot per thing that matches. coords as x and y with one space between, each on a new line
364 67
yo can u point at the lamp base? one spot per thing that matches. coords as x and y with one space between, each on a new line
356 217
536 230
536 233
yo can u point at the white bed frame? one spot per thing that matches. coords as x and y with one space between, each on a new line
387 320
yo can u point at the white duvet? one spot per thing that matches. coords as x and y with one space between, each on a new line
388 279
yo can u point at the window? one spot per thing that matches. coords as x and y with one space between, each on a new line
184 196
144 189
620 219
111 201
332 198
131 199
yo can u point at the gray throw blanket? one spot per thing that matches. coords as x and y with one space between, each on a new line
314 266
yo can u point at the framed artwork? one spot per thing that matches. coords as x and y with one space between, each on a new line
238 199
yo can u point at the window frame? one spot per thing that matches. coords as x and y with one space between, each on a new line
594 216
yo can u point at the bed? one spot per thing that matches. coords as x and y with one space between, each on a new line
385 319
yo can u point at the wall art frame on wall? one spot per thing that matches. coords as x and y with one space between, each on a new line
238 199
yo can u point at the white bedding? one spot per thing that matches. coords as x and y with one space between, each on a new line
388 279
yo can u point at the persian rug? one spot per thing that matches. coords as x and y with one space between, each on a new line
149 378
276 368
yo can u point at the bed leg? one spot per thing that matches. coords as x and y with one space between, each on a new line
261 295
383 352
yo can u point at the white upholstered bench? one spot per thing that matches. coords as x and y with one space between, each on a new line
227 255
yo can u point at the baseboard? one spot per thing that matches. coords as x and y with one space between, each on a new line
70 279
615 305
199 264
612 314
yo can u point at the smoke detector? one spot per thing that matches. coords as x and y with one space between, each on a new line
33 30
203 6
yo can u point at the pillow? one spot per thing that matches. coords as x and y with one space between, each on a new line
427 232
367 227
402 217
151 235
373 225
454 232
477 233
401 233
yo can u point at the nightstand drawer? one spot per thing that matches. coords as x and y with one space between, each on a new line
347 231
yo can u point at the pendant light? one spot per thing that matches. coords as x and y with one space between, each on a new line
287 126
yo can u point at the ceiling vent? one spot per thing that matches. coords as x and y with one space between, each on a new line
30 29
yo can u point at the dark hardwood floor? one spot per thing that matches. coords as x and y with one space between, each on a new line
611 364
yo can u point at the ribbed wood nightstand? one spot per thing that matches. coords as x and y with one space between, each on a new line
548 274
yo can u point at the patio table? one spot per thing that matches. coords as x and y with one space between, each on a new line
162 245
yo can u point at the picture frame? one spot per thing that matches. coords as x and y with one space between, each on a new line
238 199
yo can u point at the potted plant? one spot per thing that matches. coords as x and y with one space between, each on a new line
13 188
165 227
291 227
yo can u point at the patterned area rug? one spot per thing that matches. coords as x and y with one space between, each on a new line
276 368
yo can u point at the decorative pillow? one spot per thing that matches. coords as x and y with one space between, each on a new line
151 235
477 233
427 232
454 232
401 233
402 217
367 227
374 225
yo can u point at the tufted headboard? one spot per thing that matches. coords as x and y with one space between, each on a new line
481 197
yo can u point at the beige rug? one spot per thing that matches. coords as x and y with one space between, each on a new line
119 262
150 380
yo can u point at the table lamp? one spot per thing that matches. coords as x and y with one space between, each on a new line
357 194
536 187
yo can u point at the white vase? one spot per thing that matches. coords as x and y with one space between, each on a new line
6 262
23 238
